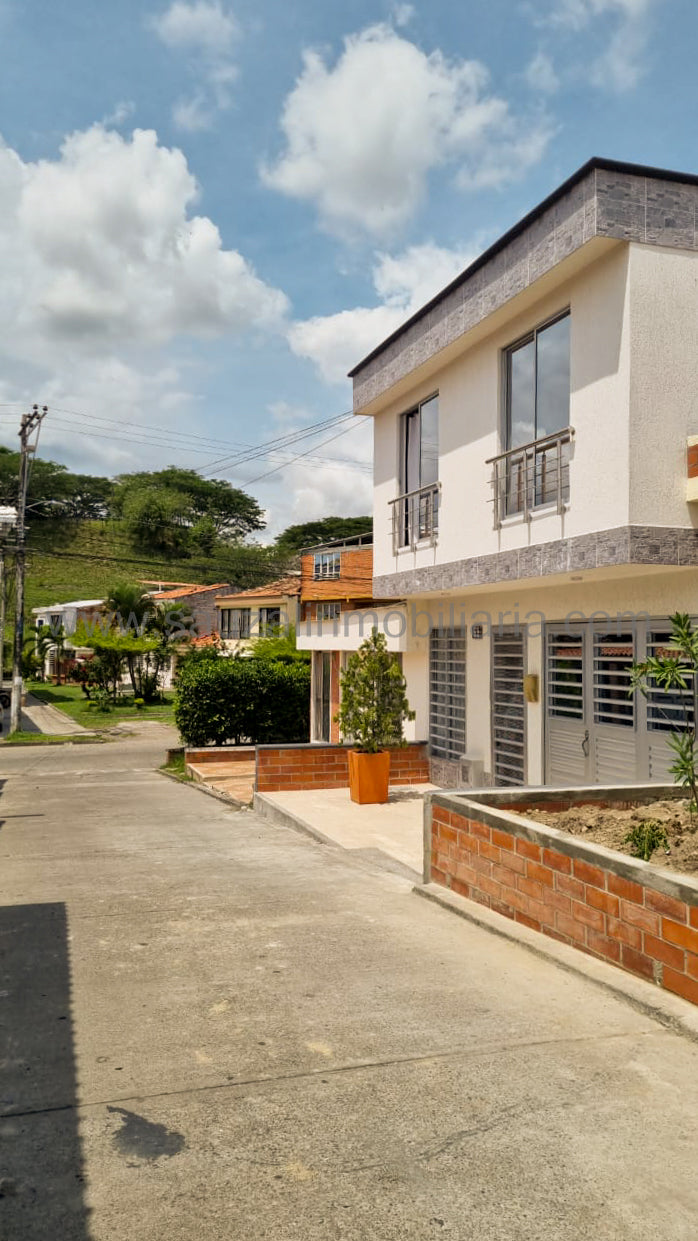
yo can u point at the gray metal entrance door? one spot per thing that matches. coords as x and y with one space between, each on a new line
567 731
508 708
591 728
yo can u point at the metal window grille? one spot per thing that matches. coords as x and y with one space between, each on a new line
532 476
668 711
613 656
508 709
447 693
565 676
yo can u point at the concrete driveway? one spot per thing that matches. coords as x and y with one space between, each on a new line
215 1029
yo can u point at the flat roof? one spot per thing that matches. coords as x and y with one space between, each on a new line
597 162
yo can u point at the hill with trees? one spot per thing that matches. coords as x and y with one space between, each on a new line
169 525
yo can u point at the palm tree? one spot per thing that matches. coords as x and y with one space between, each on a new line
131 607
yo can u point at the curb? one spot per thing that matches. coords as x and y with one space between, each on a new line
667 1009
204 788
268 810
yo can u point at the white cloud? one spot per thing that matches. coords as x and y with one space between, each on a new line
540 74
362 136
99 247
122 112
329 482
206 33
620 66
402 13
404 282
108 274
203 26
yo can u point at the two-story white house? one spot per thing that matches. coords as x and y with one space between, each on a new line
535 498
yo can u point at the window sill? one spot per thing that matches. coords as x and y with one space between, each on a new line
428 541
540 511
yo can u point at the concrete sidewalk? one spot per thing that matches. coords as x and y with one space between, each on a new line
395 829
213 1029
41 717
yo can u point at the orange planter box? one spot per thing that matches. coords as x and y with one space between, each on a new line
369 777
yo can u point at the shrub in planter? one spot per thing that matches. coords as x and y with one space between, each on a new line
372 714
225 701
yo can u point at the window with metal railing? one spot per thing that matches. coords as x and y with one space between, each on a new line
533 470
415 511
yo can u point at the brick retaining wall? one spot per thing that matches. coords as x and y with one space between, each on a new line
219 754
638 916
287 767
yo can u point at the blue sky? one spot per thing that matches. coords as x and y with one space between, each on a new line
208 212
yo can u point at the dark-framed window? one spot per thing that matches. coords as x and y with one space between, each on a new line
536 408
419 446
537 383
269 621
235 622
416 515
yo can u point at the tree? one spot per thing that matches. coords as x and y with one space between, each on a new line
674 670
295 538
373 705
136 632
182 500
55 492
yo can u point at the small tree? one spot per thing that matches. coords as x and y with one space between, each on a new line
374 706
674 671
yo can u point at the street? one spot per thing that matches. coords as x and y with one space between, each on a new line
215 1028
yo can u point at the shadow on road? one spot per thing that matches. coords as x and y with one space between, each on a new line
41 1166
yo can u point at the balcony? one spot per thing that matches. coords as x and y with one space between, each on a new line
415 517
532 476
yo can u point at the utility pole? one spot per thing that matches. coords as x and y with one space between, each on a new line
29 437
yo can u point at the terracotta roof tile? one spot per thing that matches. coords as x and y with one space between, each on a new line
282 586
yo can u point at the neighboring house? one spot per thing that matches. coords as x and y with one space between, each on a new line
251 614
337 612
65 617
536 484
200 600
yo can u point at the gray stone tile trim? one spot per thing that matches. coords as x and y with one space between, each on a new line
601 200
648 545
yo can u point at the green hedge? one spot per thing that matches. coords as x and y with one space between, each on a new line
243 701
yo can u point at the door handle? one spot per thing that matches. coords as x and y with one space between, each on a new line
585 743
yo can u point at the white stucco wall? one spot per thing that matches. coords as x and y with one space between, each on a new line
469 430
664 382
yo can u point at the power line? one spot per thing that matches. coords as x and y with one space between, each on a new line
299 456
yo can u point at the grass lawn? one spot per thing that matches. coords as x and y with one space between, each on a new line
70 698
176 767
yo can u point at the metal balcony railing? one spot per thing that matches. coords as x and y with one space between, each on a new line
415 517
532 476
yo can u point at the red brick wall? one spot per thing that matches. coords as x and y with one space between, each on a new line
588 906
219 754
354 582
283 768
692 461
